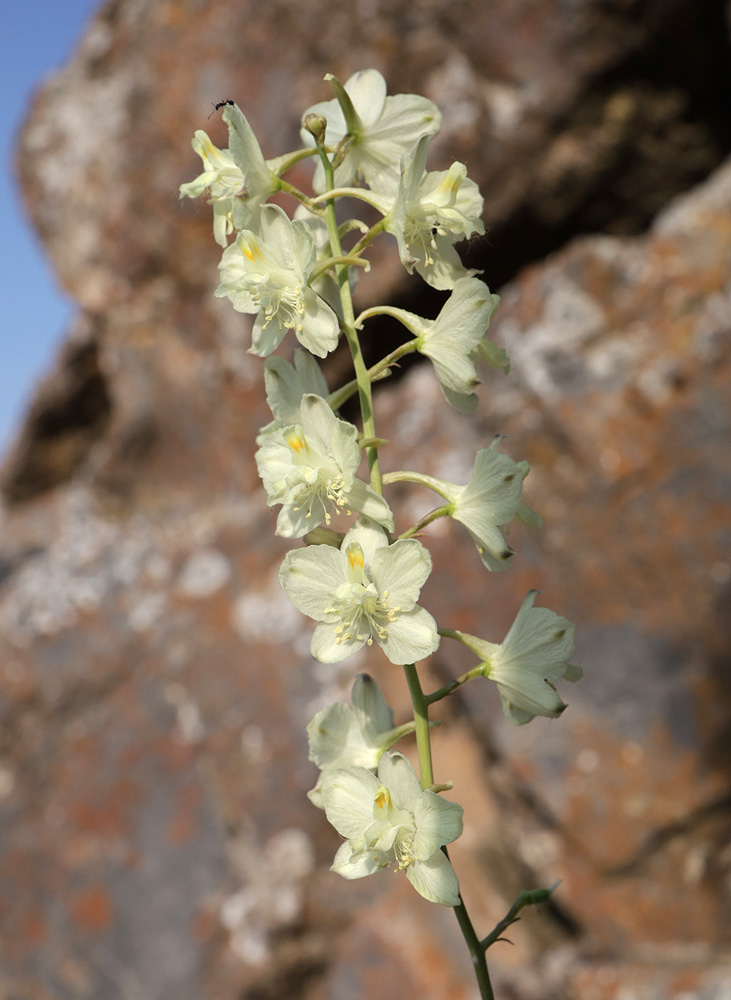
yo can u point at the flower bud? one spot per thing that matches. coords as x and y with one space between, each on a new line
316 126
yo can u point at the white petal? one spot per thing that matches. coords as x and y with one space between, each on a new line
540 640
364 500
435 879
329 435
369 535
277 233
381 836
309 577
397 773
438 822
415 164
402 569
318 422
232 276
491 354
461 403
469 205
309 373
370 706
315 794
534 654
529 516
273 461
327 647
320 329
534 695
329 732
492 547
405 118
283 389
453 367
246 212
466 314
396 225
527 683
447 267
304 247
350 866
367 91
337 738
221 224
572 673
528 691
456 333
412 636
265 337
242 142
348 794
296 522
518 716
285 385
493 492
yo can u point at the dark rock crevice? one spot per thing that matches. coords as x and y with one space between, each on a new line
648 128
70 411
614 163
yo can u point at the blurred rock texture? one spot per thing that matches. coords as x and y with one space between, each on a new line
154 683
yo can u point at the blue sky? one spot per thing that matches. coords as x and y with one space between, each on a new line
37 36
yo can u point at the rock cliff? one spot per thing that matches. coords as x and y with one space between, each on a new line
155 683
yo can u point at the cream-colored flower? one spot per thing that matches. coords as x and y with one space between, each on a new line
380 129
341 736
525 665
267 273
389 821
310 468
364 592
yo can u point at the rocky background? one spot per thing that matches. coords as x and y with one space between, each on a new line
156 841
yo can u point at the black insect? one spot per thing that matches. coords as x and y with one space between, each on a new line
221 104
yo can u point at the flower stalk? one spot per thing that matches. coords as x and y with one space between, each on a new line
362 585
351 334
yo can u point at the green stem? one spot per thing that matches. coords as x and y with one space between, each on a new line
419 701
340 396
301 197
378 371
470 675
423 745
477 952
421 719
404 318
529 897
368 237
362 194
351 334
425 520
443 692
399 352
431 483
286 161
347 260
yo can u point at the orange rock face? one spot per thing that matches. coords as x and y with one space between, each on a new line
155 683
